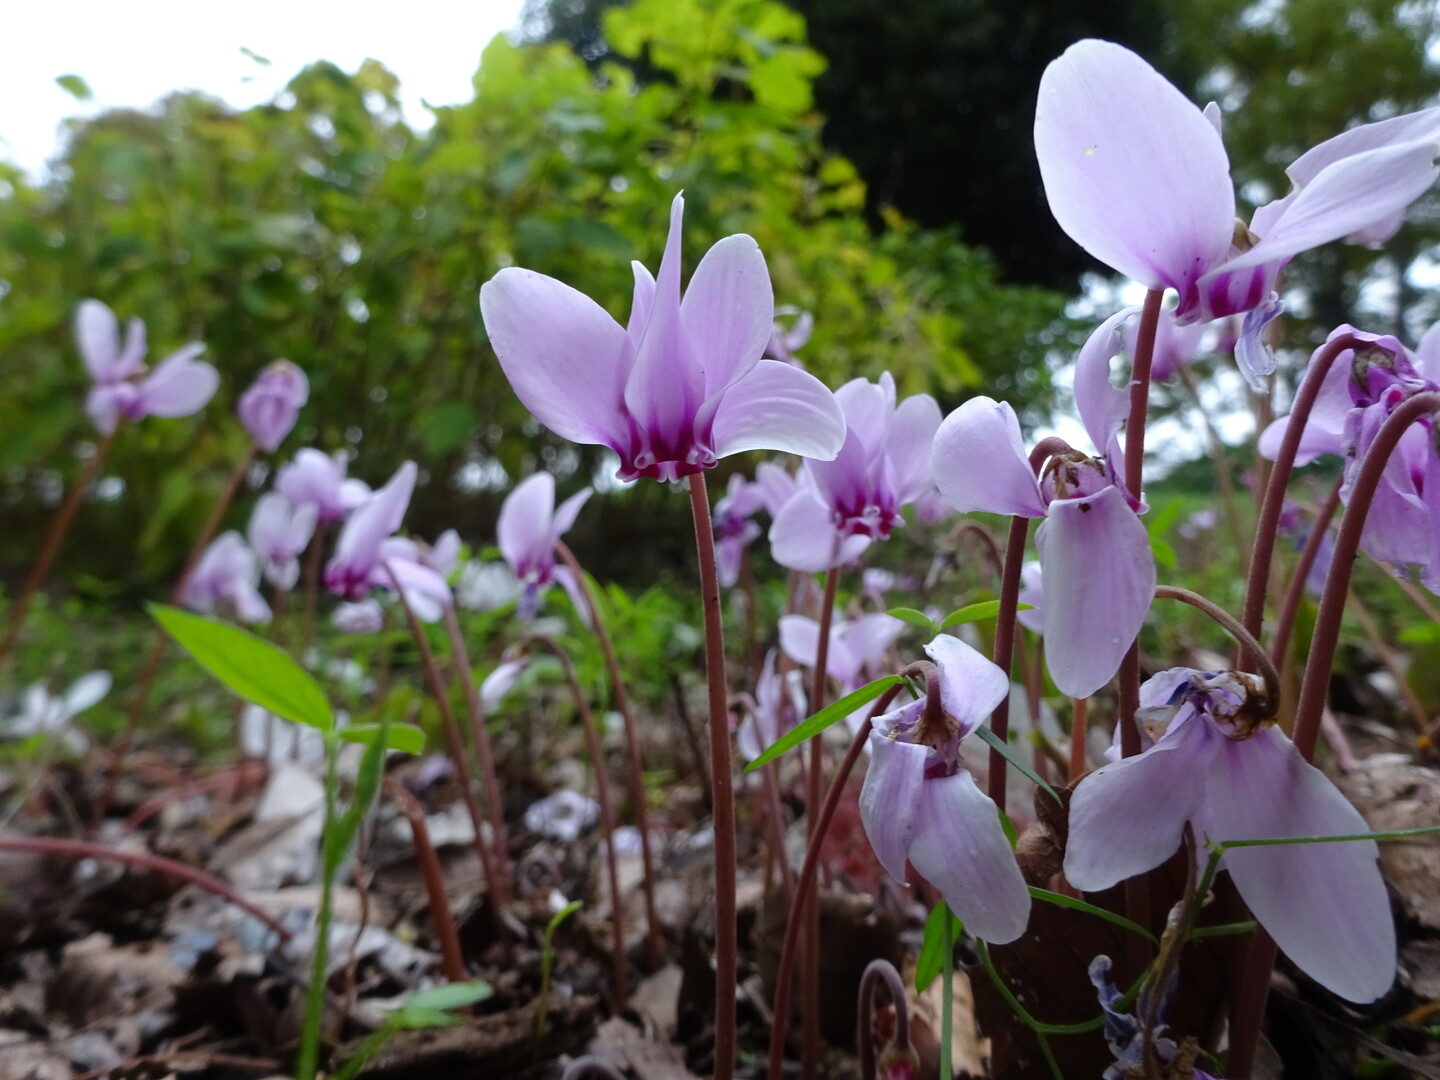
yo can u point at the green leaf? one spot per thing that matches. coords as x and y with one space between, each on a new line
1395 834
1075 904
253 668
1009 754
1011 832
1164 553
1425 634
823 719
914 618
558 918
449 997
75 86
367 785
986 609
932 952
414 1018
407 738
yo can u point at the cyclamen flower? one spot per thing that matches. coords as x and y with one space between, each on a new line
178 386
318 480
1360 390
1209 765
416 570
270 407
779 705
734 531
1138 176
363 617
227 573
857 648
279 531
884 464
1097 569
784 340
920 805
356 567
679 388
1125 1033
43 712
529 527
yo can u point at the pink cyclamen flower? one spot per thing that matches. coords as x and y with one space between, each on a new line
362 617
356 567
856 651
419 571
884 464
779 705
785 340
679 388
1138 176
919 804
270 407
1209 765
279 531
734 531
317 479
529 527
178 386
227 574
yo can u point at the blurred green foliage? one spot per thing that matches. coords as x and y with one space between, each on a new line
321 229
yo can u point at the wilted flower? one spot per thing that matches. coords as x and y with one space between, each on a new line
920 805
683 385
1208 763
270 407
527 531
318 480
178 386
279 532
884 464
43 712
227 573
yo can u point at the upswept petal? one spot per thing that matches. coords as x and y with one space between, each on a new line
567 512
1103 407
868 638
970 684
574 591
1314 441
1324 904
779 407
1345 197
522 531
86 691
1129 816
1133 171
565 357
960 847
642 300
728 311
102 405
97 332
980 461
1098 576
179 385
890 798
1412 127
912 433
803 536
358 547
867 407
774 485
800 639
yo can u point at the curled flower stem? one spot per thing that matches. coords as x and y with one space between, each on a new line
781 1011
485 752
722 785
634 768
440 911
159 640
810 976
1285 624
1247 641
607 812
51 548
456 747
878 971
1249 1008
1266 527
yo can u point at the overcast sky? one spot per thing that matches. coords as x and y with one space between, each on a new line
133 53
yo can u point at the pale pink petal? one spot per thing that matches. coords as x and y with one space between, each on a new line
910 437
97 332
1324 904
970 684
960 847
779 407
803 537
728 311
1314 441
567 512
1098 576
1133 171
1129 816
890 799
980 462
1103 407
180 385
1419 126
800 639
86 691
522 530
564 355
102 405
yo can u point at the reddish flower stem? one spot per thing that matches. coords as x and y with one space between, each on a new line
54 540
722 784
452 959
1259 658
1285 624
607 812
780 1020
1249 1012
634 767
875 972
1005 622
159 640
810 972
82 849
1077 738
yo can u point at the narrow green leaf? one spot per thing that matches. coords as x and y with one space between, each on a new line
914 618
1424 634
558 918
414 1018
1397 834
406 738
1011 832
986 609
75 86
932 952
1076 904
1009 754
253 668
1163 551
449 997
824 718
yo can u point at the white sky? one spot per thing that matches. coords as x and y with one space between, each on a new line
134 52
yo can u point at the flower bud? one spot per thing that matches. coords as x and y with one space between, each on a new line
271 406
